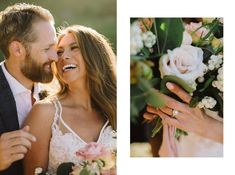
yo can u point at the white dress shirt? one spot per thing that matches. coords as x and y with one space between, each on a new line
21 95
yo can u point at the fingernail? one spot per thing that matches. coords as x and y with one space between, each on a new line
169 85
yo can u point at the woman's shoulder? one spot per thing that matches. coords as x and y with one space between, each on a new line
42 110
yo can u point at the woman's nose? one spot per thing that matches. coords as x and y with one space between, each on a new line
66 55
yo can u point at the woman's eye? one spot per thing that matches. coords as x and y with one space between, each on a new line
74 47
46 49
59 52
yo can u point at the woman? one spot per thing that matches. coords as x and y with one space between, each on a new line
84 110
205 131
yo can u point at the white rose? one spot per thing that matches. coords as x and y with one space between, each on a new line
185 62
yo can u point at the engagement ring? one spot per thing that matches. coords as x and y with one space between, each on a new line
174 113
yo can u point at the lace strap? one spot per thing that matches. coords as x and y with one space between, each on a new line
58 112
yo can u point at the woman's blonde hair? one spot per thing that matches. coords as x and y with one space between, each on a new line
100 63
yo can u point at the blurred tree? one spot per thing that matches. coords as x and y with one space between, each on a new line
99 15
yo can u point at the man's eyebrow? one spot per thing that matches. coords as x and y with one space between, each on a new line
52 44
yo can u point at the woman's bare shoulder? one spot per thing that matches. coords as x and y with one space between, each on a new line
42 111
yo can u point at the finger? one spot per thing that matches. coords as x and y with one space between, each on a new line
19 149
20 141
151 109
182 94
173 122
19 133
15 157
149 116
174 104
166 110
165 134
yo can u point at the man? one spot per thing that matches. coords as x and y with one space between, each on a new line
27 39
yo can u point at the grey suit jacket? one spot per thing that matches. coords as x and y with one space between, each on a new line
8 120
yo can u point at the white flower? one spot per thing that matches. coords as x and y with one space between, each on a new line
215 62
201 79
221 20
219 82
136 38
207 102
187 39
185 62
149 39
38 171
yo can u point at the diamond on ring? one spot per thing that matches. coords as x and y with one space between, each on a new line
174 113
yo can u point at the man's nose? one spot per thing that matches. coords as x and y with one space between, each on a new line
53 56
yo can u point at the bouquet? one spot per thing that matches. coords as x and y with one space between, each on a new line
185 51
94 159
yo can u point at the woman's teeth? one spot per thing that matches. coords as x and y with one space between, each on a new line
69 67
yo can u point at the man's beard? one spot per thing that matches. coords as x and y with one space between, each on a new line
36 72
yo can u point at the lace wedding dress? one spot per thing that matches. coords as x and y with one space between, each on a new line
194 145
65 142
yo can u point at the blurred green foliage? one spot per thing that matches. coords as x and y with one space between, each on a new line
97 14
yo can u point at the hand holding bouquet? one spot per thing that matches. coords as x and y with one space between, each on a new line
187 52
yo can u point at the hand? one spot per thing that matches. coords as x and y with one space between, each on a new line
14 145
187 119
168 147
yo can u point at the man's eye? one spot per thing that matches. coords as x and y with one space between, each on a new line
46 49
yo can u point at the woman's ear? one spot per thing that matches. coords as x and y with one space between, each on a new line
17 49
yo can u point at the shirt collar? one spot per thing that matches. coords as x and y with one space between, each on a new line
16 86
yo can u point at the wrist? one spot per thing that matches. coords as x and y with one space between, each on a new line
213 129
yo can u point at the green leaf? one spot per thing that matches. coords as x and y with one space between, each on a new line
137 102
84 172
207 83
154 99
145 51
169 33
65 168
151 95
157 127
179 132
194 101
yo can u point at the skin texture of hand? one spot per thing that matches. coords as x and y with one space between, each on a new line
14 145
187 119
168 147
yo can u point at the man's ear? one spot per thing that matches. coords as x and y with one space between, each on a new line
16 49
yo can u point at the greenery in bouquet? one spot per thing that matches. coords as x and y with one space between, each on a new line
185 51
94 159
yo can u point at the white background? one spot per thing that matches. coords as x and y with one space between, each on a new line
180 8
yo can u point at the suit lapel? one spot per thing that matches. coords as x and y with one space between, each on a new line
8 112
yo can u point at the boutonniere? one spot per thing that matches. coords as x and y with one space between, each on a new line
43 94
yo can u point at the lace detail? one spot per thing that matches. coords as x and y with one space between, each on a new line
64 145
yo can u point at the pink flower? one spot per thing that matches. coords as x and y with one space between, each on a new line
196 30
92 151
